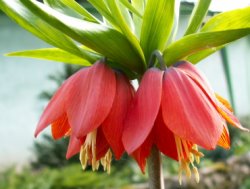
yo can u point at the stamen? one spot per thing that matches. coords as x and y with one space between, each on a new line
106 161
196 174
187 152
88 154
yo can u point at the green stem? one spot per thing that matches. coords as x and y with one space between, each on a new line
156 180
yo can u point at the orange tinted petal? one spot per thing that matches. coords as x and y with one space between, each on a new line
143 110
60 127
229 117
224 140
224 102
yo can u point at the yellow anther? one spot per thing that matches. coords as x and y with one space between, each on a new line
196 174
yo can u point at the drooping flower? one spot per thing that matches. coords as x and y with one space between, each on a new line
176 110
90 107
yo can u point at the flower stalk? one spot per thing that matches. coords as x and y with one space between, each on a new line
156 179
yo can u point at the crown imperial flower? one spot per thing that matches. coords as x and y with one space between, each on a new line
90 108
176 110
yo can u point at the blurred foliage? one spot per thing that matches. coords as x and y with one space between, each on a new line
69 177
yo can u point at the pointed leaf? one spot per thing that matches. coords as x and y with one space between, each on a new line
81 10
231 20
127 4
194 43
59 55
157 25
71 8
198 14
95 36
140 6
143 110
121 22
102 8
25 18
195 58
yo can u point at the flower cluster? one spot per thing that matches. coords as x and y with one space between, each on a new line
173 109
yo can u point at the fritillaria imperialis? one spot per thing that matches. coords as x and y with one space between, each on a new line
90 107
174 109
177 111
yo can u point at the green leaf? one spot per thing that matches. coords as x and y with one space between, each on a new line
102 8
197 57
194 43
115 10
127 4
157 25
81 10
176 22
55 54
25 18
231 20
100 38
71 8
197 16
140 6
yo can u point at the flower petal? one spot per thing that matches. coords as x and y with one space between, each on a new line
91 99
74 146
102 145
60 127
142 153
113 125
143 110
229 117
196 75
56 107
164 138
224 140
188 112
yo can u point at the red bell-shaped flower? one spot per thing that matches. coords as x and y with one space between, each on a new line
90 107
176 110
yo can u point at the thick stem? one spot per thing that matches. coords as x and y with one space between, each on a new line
156 180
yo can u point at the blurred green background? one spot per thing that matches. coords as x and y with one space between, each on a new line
26 85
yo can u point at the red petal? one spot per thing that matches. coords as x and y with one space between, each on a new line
102 145
113 125
60 127
143 110
188 112
196 75
143 152
91 99
164 138
74 146
56 107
